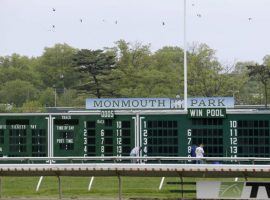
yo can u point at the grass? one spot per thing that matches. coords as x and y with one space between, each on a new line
103 187
75 187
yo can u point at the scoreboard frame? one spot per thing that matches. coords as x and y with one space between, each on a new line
233 133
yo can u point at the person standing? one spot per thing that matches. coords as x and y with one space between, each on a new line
199 153
193 153
135 152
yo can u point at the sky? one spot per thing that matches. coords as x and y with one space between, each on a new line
237 29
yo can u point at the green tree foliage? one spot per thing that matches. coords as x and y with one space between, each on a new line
143 74
18 67
143 83
16 61
17 92
245 89
262 74
94 66
169 61
68 99
47 97
32 106
205 74
125 70
8 74
127 78
137 55
55 67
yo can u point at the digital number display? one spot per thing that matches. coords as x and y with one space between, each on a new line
107 114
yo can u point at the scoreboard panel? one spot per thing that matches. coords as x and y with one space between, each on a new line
113 136
208 131
159 133
247 135
93 135
23 136
66 136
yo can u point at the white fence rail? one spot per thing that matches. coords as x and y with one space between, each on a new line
113 159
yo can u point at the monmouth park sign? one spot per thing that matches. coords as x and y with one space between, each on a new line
158 103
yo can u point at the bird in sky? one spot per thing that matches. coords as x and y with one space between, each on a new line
53 26
249 19
116 22
81 20
53 9
163 23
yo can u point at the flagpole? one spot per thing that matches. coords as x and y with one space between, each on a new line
185 57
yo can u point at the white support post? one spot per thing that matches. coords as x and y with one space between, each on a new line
119 187
161 183
182 186
49 137
90 183
39 182
185 57
52 138
59 187
1 187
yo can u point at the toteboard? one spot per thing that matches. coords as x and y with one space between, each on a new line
225 133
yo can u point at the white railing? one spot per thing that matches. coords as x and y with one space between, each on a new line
114 159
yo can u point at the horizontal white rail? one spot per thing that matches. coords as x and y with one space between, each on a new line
142 170
128 158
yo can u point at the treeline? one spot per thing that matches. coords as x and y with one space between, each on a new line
64 76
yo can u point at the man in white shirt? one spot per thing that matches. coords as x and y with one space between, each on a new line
135 152
199 153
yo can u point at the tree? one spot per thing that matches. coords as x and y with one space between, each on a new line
11 73
126 77
69 98
169 61
206 76
139 73
16 61
262 74
46 97
17 92
16 67
148 82
93 66
245 90
136 55
32 106
55 67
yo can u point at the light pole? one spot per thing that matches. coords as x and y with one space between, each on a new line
185 56
55 95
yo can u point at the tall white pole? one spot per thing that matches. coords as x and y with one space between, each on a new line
185 56
55 96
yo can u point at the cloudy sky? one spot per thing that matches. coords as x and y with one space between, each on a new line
237 29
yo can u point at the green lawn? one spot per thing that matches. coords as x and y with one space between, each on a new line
75 187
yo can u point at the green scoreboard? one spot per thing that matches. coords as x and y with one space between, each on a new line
23 135
225 133
92 135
